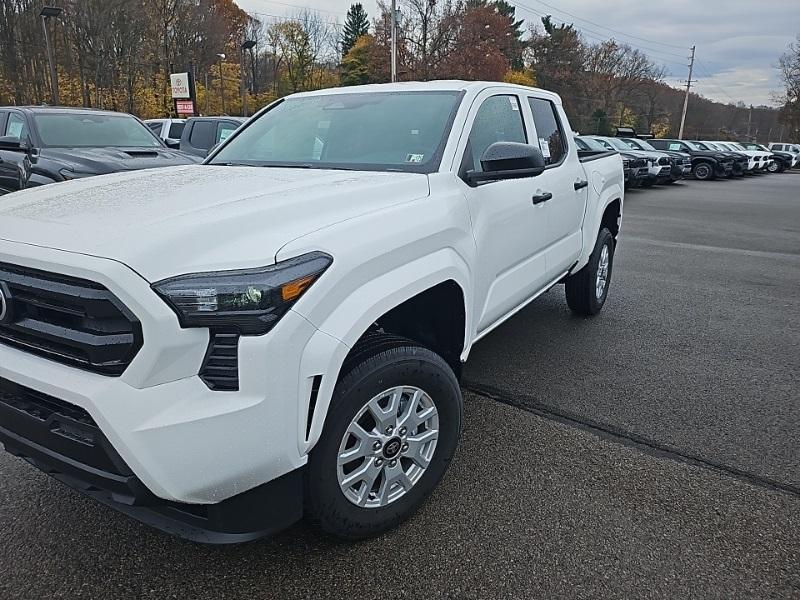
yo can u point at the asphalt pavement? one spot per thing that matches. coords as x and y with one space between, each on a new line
652 451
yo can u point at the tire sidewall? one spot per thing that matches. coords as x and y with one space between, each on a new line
703 168
604 238
408 365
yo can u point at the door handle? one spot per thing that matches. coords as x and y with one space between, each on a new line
579 185
542 198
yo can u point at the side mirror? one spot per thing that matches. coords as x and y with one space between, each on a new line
508 160
173 143
10 142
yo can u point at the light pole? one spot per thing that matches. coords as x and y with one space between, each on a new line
47 12
221 82
246 45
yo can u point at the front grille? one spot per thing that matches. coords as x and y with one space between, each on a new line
220 370
68 320
60 427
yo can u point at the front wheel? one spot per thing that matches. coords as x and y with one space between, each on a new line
587 289
703 172
773 167
391 431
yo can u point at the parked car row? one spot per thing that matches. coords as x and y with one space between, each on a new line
47 144
650 162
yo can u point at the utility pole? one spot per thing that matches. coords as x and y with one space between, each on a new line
749 121
689 83
221 82
46 13
394 40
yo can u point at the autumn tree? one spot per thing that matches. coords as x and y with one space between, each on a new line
789 70
356 24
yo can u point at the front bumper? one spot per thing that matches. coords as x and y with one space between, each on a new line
64 441
179 441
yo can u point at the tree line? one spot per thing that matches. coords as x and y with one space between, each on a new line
117 54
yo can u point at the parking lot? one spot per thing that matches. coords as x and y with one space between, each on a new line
653 451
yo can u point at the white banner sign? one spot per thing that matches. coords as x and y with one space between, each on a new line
180 85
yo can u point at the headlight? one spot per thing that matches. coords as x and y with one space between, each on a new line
70 174
250 300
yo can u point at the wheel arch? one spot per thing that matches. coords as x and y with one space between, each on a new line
392 302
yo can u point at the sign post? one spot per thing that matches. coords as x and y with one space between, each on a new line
183 94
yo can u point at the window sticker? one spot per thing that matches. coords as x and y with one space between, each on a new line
225 134
545 146
514 103
674 146
414 158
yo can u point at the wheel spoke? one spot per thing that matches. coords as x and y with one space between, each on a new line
386 417
417 445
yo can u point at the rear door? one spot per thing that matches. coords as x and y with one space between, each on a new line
563 178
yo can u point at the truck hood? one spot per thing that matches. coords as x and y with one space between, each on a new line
98 161
196 218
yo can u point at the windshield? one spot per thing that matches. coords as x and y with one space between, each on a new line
380 131
590 144
638 144
89 130
615 143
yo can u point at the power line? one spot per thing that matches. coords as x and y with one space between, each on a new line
332 12
622 33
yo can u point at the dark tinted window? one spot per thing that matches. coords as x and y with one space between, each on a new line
552 141
155 127
203 134
175 130
499 119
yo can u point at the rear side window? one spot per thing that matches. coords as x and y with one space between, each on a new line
154 127
225 130
16 127
203 134
175 130
499 119
552 141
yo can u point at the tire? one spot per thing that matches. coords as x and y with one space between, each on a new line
773 167
581 288
368 385
704 172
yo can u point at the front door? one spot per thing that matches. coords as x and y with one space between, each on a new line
510 228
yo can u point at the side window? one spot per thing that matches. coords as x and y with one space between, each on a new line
155 128
552 141
203 134
224 131
175 130
16 127
499 119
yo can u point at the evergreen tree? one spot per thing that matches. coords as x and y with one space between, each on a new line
356 24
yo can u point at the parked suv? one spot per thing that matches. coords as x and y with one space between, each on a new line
201 134
793 149
218 349
169 130
681 161
44 144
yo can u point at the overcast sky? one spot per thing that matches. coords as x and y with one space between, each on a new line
738 41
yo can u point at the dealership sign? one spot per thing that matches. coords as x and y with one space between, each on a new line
180 85
184 107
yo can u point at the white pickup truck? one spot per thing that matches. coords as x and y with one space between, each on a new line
219 349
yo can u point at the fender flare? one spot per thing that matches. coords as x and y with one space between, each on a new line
325 353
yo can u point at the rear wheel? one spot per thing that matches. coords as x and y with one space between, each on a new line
703 172
587 289
391 431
